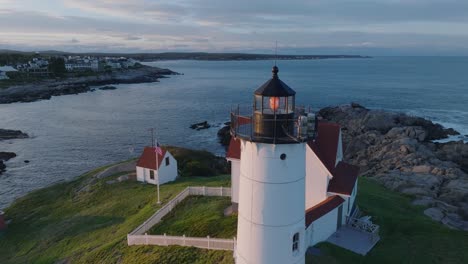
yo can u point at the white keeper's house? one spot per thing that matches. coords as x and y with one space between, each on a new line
289 183
156 173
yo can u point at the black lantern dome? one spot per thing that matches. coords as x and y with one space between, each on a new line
275 87
274 104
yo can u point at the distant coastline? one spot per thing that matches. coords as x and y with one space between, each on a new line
45 89
237 57
206 56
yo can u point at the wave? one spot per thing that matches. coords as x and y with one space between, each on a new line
448 118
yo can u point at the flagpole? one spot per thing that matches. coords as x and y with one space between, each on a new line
157 168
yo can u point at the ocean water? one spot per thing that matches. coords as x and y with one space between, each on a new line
75 133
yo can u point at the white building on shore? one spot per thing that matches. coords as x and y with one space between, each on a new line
149 171
77 63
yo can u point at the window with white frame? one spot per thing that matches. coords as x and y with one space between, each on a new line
295 244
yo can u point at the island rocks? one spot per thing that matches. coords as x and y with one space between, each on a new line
6 134
397 150
200 126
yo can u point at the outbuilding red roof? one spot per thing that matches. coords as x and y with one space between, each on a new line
322 208
234 149
325 145
148 158
344 178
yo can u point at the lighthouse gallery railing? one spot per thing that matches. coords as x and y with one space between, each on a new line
303 122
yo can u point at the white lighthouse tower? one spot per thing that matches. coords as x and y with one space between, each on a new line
271 220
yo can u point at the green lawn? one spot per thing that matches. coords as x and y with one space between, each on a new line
199 216
407 236
59 223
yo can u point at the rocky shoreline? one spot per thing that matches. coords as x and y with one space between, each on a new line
398 151
6 134
44 90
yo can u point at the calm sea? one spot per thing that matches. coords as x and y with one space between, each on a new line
75 133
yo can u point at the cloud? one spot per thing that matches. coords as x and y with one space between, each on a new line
242 25
133 38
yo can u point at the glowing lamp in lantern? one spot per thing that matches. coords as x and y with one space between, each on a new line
274 103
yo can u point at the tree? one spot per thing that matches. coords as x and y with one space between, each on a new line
57 66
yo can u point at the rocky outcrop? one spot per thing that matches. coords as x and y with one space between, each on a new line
11 134
5 156
200 126
224 134
6 134
107 87
397 150
46 89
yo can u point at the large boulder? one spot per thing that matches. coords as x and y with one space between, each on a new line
453 151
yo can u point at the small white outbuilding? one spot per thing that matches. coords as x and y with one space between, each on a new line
149 171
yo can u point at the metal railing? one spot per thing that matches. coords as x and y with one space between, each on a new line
365 226
243 122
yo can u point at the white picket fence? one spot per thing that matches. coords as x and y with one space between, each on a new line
140 237
199 242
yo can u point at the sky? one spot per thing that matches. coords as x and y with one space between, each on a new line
365 27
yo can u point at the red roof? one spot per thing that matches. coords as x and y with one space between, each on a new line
326 143
322 208
148 158
234 149
344 178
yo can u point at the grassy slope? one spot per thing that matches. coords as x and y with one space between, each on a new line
199 216
57 223
407 236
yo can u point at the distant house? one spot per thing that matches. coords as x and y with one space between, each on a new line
150 172
3 75
4 70
77 63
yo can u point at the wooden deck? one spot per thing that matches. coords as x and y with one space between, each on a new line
356 241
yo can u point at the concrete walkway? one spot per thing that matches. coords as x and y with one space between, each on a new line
353 240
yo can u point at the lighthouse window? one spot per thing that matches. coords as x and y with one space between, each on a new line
295 245
151 175
283 156
167 161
